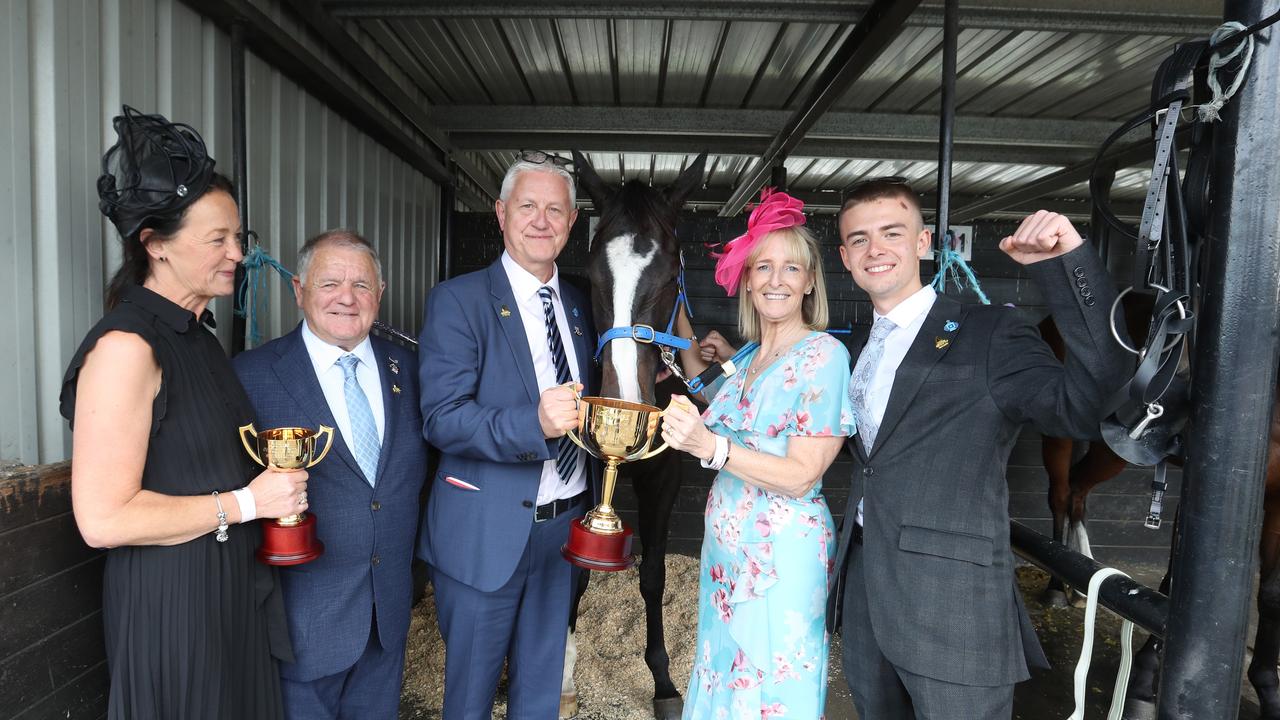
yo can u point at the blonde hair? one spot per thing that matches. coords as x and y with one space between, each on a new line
801 247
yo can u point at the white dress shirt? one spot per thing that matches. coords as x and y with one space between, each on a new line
324 358
907 317
525 288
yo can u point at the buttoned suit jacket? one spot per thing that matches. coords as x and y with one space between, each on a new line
936 556
480 410
368 532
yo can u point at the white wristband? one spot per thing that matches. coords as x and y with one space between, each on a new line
717 460
248 507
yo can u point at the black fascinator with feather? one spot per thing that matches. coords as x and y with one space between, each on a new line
155 168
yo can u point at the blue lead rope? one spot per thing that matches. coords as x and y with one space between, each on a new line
255 288
951 265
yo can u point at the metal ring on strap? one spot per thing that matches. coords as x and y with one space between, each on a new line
1115 332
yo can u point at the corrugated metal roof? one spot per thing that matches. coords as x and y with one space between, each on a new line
739 61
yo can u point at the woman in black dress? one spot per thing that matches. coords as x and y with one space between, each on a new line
158 475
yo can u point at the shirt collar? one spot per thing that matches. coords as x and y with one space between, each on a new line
523 283
910 310
169 312
324 356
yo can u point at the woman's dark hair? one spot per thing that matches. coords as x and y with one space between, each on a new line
136 264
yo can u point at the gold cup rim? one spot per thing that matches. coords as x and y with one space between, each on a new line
287 433
619 404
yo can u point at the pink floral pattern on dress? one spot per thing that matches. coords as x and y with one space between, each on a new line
766 558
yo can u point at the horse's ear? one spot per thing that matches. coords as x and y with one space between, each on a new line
689 180
590 181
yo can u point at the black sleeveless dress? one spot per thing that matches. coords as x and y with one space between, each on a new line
193 630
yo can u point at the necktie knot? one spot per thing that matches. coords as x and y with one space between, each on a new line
881 328
348 363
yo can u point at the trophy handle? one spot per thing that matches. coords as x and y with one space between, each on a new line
660 448
247 446
324 430
574 437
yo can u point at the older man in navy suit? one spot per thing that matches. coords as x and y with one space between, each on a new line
349 609
499 349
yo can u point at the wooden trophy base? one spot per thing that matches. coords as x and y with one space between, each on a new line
290 544
594 551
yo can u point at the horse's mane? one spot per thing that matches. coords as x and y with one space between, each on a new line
640 206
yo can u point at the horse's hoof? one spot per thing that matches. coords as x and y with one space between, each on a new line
568 705
1054 598
668 708
1135 709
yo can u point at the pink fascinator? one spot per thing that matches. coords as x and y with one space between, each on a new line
776 210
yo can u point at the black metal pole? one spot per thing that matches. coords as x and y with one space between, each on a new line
240 170
778 177
1233 382
1099 230
448 198
947 119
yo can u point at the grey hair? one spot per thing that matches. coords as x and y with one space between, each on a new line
338 237
509 180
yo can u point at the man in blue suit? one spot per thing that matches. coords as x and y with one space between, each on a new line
348 610
498 350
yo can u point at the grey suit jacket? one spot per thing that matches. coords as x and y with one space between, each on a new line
937 562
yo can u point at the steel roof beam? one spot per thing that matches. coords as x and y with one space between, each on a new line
1119 157
873 33
1180 19
270 42
714 123
351 51
923 150
826 202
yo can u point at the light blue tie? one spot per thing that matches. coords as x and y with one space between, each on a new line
868 360
364 432
868 426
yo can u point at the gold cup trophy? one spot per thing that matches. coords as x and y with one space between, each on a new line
615 431
290 540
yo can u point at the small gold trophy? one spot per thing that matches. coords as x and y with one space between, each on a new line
290 540
615 431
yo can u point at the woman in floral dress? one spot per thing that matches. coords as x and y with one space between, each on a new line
771 429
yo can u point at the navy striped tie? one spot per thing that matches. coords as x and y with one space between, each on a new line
567 454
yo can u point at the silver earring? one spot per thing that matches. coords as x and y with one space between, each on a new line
748 288
806 292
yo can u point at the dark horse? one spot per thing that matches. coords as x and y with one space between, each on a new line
633 267
1069 486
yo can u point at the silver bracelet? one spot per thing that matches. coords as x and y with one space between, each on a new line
221 535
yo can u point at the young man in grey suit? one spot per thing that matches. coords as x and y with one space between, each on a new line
933 625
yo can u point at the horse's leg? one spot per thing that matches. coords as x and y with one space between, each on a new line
1266 646
1097 466
569 691
657 484
1056 454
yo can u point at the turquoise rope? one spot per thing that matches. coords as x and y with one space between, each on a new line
255 289
952 265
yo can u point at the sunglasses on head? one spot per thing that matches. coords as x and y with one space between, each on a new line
538 157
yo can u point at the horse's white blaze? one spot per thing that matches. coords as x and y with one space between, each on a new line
627 268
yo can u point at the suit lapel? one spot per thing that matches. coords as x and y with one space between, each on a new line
297 375
578 332
508 313
931 343
858 341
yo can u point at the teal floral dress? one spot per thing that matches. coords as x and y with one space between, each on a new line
762 645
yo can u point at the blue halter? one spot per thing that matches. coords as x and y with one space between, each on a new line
646 334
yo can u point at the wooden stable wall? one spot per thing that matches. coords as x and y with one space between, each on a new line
52 662
1117 509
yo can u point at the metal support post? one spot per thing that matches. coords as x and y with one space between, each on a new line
1216 554
947 120
240 172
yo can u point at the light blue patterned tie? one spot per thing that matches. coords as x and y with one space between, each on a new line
364 432
567 452
861 381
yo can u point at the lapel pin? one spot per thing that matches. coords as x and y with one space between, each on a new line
575 312
395 389
941 343
951 326
577 330
504 312
393 365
